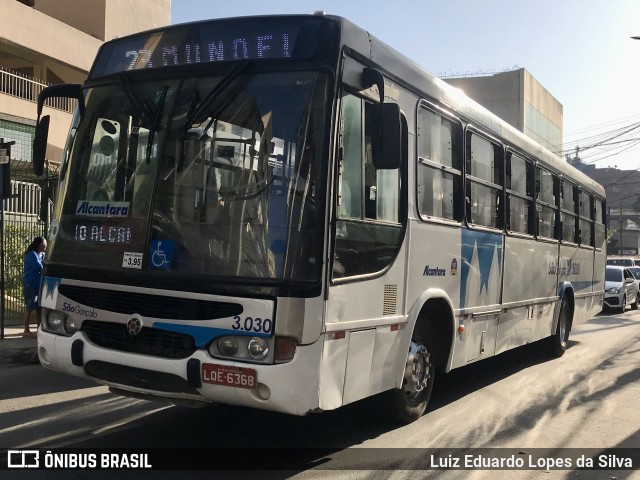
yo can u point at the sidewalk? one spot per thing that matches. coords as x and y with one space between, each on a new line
15 350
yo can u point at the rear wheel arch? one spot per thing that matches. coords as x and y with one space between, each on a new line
436 316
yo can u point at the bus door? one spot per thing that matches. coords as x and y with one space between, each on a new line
364 304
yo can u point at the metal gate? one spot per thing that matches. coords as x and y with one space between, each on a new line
21 224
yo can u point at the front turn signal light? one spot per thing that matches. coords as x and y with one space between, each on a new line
285 349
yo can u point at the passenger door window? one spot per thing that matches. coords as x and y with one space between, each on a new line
368 226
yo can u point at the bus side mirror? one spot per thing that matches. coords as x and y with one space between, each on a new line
65 90
40 145
386 138
372 77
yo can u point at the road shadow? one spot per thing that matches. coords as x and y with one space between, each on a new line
221 426
19 381
452 386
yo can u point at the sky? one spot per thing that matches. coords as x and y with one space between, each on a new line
581 51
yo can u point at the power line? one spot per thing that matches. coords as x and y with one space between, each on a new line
605 144
600 126
594 141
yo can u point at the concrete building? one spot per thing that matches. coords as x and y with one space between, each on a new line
44 42
519 99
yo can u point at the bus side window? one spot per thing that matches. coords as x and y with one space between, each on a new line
599 223
519 181
568 212
547 190
585 219
439 166
484 181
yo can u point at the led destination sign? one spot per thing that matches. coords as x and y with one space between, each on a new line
206 42
102 234
105 231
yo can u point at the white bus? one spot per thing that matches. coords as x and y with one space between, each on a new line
284 213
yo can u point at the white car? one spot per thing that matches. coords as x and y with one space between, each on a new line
622 261
635 271
620 288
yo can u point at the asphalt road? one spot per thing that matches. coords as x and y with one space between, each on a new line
521 400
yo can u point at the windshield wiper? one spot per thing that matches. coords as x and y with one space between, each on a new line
125 84
156 123
195 112
217 90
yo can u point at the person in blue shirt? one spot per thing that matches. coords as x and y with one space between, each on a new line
33 258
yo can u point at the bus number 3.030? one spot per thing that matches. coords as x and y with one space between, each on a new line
250 324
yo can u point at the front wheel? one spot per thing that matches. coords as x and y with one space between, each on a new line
410 401
558 342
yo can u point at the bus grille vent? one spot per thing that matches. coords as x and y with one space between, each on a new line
149 341
390 299
138 377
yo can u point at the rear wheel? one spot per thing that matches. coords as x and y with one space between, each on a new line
410 401
558 342
634 305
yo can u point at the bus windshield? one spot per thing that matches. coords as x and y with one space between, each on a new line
202 175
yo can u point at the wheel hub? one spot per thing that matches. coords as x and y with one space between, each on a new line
416 376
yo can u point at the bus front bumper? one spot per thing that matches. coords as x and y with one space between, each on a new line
279 387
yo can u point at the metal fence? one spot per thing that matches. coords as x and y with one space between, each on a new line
21 224
24 87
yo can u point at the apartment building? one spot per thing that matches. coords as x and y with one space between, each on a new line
45 42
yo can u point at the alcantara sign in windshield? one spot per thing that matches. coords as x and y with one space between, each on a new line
213 41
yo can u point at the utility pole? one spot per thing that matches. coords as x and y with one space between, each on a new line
575 160
620 231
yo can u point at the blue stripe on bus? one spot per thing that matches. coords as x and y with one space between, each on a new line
486 244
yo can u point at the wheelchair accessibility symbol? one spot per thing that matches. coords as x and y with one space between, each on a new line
161 254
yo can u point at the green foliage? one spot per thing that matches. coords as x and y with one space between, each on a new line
17 237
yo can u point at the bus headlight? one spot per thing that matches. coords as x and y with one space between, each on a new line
258 348
227 346
55 322
243 348
70 326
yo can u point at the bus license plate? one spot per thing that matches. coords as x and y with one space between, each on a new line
230 376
